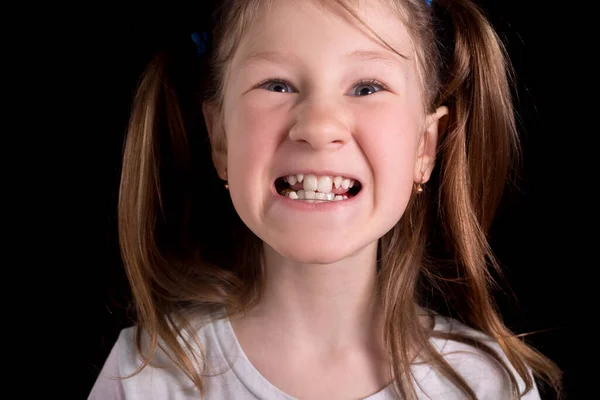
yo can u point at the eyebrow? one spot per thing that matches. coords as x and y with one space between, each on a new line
372 55
357 55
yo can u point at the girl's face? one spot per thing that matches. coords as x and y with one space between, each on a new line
312 94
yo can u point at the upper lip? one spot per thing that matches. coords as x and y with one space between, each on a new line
320 173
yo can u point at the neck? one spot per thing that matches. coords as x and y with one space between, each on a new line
322 309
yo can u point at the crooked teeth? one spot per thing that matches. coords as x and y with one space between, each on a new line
311 195
337 181
319 184
324 184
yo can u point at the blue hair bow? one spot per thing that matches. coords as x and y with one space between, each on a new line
201 42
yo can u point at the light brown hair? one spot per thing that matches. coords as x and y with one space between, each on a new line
178 262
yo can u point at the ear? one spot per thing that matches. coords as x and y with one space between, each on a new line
434 124
218 141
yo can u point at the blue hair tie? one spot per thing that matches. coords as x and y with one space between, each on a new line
428 2
201 42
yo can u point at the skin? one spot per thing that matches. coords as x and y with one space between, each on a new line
319 308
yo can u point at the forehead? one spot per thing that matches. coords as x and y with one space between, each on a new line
291 31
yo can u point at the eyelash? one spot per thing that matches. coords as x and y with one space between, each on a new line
372 82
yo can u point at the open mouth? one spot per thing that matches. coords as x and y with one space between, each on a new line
312 187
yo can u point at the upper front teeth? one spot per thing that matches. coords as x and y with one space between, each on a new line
323 184
311 182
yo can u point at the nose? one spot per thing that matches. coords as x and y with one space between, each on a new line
321 125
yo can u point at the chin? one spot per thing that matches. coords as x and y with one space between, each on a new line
316 251
324 258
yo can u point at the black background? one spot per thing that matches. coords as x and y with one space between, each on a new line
537 235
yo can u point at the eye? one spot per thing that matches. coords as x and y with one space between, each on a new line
366 85
276 85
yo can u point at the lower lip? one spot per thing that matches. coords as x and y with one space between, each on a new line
316 205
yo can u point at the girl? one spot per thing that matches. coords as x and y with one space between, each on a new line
363 146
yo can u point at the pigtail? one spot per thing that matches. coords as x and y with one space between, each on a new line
170 269
141 207
478 150
476 86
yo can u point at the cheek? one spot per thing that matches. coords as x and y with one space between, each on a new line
390 142
252 136
389 139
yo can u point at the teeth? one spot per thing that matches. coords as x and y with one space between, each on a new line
310 183
312 195
324 184
337 181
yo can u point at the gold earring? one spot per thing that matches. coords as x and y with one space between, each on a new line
419 188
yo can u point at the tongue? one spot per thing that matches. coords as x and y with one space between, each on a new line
300 186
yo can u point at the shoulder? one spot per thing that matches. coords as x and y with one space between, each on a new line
122 376
108 384
483 373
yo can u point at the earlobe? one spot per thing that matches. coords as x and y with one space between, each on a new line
220 162
434 126
217 138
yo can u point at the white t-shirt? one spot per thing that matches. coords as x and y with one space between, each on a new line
240 380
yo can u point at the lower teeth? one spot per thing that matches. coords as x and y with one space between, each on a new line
312 195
